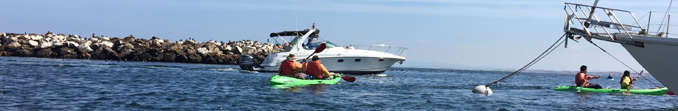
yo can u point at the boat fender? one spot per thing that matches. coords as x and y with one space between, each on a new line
481 89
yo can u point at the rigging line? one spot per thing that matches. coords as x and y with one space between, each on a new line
547 54
531 62
644 16
667 12
627 66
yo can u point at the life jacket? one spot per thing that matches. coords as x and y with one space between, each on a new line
630 80
577 79
286 68
313 69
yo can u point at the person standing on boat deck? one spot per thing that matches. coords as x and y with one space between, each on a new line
582 80
291 67
626 80
316 69
310 44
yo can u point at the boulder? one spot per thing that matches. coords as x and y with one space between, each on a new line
105 43
35 37
45 53
145 57
72 44
33 43
23 52
155 43
124 52
103 53
66 52
94 40
59 38
237 50
85 55
13 45
105 38
84 48
203 51
168 57
181 57
190 42
176 47
209 60
57 43
194 58
129 39
225 48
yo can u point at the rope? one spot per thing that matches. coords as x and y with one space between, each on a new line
541 56
667 13
627 66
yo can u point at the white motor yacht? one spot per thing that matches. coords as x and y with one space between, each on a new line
337 59
655 51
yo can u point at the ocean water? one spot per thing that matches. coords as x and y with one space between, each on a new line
68 84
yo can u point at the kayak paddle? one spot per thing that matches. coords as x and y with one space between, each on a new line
320 49
631 83
348 78
317 50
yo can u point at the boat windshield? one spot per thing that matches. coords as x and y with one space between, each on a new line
294 41
329 44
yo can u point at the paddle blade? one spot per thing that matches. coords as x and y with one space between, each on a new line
320 48
348 78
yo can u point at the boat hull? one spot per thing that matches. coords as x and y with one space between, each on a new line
657 91
659 59
339 60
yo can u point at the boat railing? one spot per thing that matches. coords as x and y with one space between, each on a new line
395 50
590 24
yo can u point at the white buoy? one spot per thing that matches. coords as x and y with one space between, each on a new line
481 89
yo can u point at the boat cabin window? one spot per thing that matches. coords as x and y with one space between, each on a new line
357 60
340 60
381 59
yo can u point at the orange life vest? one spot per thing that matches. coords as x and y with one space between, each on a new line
286 68
313 69
577 79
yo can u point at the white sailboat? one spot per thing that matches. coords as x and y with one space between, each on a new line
655 51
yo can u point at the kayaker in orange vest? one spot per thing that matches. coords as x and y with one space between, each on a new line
626 81
316 69
291 67
582 80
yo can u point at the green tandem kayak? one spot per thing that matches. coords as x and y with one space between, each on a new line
278 80
656 91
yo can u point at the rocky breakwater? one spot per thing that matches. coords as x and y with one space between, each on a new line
129 48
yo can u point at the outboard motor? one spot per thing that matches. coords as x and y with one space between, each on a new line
247 62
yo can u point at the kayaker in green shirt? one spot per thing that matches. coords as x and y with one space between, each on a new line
626 80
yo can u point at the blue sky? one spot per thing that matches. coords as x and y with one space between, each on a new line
492 34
